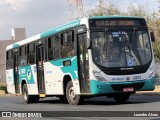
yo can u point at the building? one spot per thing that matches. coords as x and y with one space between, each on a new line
17 34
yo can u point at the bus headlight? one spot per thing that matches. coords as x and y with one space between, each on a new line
150 75
99 77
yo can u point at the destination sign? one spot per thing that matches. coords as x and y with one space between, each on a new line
108 23
116 22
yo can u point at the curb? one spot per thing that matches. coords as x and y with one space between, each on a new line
147 94
2 92
156 92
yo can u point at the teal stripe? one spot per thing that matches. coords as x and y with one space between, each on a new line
26 73
15 45
59 29
67 69
103 17
97 87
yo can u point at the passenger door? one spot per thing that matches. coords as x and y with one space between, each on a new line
83 67
16 76
40 68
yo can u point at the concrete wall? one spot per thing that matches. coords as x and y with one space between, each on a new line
3 44
19 34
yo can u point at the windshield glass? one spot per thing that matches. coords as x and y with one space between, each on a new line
121 48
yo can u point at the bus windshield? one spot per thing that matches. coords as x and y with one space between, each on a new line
121 48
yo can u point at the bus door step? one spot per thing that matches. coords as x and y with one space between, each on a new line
42 95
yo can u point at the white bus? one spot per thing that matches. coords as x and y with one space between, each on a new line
96 56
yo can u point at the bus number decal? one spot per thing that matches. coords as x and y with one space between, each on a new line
22 71
137 78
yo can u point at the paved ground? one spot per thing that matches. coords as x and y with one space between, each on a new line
137 104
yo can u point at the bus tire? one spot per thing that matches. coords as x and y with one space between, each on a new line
72 98
121 98
27 98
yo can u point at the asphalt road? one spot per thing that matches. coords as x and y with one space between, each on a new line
135 103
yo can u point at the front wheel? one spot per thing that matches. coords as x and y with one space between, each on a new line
72 98
121 98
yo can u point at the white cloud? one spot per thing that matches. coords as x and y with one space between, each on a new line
135 5
40 15
15 4
35 15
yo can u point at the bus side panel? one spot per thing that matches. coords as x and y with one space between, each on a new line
29 74
10 81
53 79
55 71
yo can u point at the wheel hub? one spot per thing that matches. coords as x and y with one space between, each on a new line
25 96
72 94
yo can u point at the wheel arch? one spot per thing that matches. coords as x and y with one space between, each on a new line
66 79
75 83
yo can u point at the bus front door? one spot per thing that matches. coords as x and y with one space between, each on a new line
16 78
83 62
40 69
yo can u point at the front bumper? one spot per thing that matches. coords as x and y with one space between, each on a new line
97 87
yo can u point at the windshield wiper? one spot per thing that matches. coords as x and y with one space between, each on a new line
129 41
106 40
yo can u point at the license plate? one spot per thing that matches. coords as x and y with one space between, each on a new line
128 89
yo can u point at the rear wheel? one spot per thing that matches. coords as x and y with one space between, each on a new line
72 98
121 98
29 98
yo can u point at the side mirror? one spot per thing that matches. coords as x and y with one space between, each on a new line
152 36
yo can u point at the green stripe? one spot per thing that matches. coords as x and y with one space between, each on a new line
26 73
67 69
15 45
59 29
97 87
102 17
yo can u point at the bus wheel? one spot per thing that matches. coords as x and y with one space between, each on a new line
121 98
72 98
27 98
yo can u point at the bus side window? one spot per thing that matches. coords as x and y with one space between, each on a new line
53 47
50 51
22 56
9 58
31 54
67 48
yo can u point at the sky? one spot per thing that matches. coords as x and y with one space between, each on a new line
37 16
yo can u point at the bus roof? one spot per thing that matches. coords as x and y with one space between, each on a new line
115 16
45 34
61 28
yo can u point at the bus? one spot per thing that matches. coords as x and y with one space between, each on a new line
96 56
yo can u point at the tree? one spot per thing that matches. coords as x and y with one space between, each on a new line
104 8
139 11
156 49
